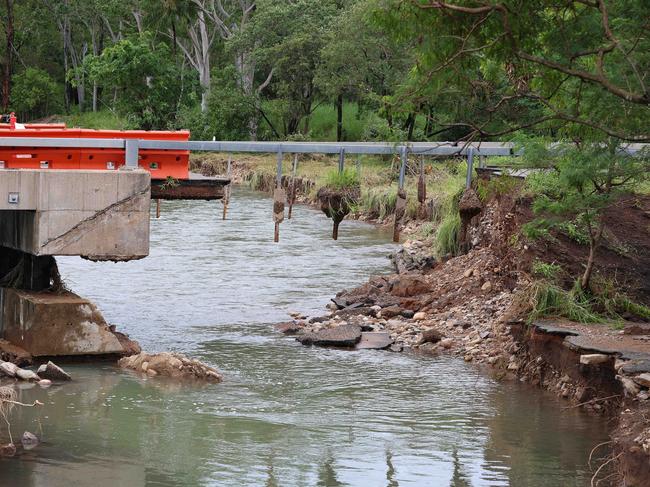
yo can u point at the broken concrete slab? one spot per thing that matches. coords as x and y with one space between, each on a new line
377 340
340 336
594 358
47 324
52 371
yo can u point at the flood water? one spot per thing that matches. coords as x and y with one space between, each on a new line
286 415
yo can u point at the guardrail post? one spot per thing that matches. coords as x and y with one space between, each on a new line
131 153
400 204
470 167
279 198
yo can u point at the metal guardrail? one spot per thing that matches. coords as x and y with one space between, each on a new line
132 147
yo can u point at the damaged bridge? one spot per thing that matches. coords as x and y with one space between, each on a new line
101 215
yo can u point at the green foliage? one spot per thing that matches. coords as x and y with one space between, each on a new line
96 120
447 236
348 178
145 77
496 187
35 91
549 299
546 270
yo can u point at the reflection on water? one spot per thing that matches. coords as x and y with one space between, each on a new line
286 414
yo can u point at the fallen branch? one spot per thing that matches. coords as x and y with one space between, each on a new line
601 467
591 401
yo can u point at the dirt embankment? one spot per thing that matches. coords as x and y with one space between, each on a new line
475 306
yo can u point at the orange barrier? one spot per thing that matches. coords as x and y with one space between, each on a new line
162 164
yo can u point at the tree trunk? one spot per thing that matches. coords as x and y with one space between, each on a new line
339 118
8 66
594 242
204 63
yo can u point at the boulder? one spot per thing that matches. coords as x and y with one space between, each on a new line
355 310
173 365
594 358
29 440
642 380
26 374
378 340
340 336
14 354
430 336
419 316
8 369
290 328
391 311
487 286
52 372
7 450
407 285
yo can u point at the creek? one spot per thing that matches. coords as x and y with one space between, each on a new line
285 414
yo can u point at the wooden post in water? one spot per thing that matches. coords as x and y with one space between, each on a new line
157 207
422 190
279 198
400 204
292 186
226 192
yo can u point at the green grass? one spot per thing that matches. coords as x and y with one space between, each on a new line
95 120
549 299
447 236
347 178
546 270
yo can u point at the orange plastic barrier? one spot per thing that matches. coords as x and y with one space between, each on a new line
162 164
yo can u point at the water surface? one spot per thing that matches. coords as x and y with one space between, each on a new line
286 415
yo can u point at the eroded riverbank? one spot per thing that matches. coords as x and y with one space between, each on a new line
285 414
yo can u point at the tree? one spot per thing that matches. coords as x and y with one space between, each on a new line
34 92
573 68
7 65
145 75
579 185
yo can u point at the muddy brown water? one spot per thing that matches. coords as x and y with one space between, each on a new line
286 415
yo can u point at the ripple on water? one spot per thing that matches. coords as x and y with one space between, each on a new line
286 414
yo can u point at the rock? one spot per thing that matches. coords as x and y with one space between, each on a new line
53 372
29 440
8 369
430 336
26 374
14 354
44 382
290 328
354 311
174 365
468 273
7 450
419 316
340 336
391 312
408 286
631 389
594 358
447 343
407 313
637 329
144 367
642 380
484 334
396 347
340 303
643 396
487 286
375 340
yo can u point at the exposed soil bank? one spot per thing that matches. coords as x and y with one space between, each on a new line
475 306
